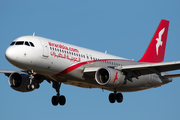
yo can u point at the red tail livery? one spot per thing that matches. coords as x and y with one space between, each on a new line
156 50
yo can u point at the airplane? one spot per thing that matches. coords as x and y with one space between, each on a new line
57 62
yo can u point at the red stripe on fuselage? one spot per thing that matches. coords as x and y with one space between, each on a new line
71 68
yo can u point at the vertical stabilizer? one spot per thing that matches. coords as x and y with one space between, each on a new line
156 49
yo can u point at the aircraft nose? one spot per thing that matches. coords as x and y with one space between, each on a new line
11 54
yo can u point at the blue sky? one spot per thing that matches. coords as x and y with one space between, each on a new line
123 28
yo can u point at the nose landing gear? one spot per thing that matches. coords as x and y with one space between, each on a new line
32 83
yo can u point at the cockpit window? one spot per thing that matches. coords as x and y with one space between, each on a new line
22 43
19 42
12 43
26 43
31 44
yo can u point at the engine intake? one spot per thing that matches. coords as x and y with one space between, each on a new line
109 77
19 81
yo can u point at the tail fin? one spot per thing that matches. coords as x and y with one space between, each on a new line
156 49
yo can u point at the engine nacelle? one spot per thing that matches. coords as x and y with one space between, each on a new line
19 81
109 77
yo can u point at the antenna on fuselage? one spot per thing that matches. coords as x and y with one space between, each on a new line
105 51
34 34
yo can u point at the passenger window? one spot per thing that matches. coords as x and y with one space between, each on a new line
19 42
26 43
12 43
31 44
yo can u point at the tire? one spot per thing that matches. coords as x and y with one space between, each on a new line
28 87
119 97
62 100
54 100
112 98
32 86
37 85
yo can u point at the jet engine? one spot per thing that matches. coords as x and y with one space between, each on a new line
109 77
19 81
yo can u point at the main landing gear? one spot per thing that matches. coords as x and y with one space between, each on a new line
115 97
58 98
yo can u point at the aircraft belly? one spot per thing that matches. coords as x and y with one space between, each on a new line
66 74
77 78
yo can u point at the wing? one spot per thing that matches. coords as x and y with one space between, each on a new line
150 68
8 72
142 69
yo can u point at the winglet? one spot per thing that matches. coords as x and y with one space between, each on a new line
156 49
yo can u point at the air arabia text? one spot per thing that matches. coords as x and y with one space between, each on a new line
63 47
74 59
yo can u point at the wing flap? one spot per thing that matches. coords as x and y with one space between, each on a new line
171 76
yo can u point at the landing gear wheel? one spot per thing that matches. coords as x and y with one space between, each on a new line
32 83
112 98
62 100
28 87
115 97
54 100
36 85
31 87
119 97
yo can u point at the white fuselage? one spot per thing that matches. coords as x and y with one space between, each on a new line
65 63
